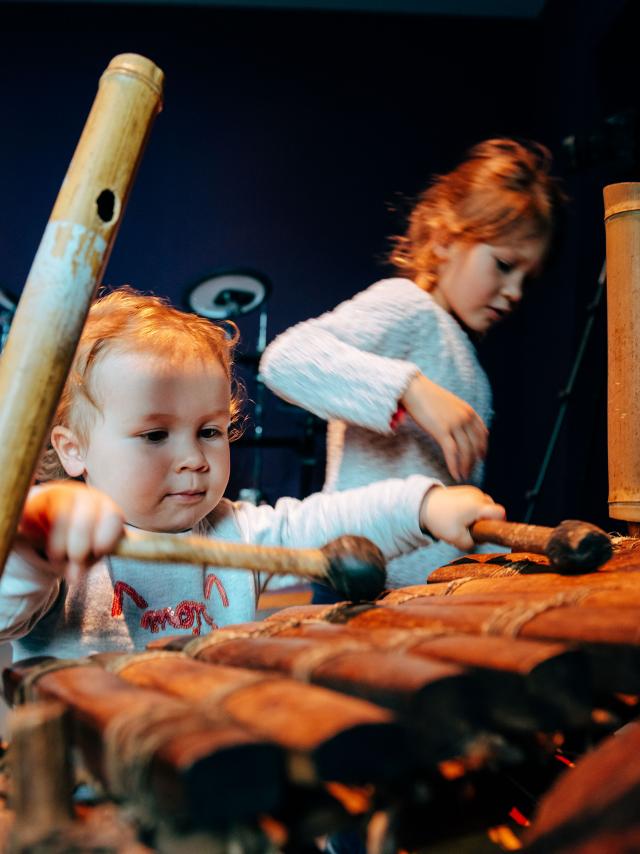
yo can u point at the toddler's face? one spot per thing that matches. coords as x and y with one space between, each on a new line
159 445
481 283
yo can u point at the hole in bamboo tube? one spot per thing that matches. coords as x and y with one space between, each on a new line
106 203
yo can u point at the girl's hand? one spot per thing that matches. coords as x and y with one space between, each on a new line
72 523
447 512
455 425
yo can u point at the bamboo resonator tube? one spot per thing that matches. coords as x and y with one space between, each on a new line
66 270
571 546
352 566
622 224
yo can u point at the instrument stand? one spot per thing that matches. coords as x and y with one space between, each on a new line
253 493
564 396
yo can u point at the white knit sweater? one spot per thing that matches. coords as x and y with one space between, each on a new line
352 365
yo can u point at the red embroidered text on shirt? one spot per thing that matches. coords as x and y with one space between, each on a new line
209 581
186 615
120 588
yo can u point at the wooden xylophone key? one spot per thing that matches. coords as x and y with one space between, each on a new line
517 687
170 760
594 807
413 687
326 735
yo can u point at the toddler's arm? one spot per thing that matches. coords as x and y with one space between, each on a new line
71 524
64 527
398 515
448 513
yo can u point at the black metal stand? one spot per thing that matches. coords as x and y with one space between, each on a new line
564 396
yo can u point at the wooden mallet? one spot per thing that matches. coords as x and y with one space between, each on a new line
571 546
352 566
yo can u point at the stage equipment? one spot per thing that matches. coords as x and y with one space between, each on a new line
228 294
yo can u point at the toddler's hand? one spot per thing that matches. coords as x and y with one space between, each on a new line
72 523
455 425
447 512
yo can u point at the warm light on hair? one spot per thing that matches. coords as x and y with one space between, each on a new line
501 191
127 321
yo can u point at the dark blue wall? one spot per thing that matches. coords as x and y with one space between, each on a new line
285 141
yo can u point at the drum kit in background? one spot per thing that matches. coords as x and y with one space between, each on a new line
231 294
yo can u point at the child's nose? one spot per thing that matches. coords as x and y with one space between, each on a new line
191 459
512 289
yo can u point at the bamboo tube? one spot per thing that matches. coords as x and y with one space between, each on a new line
622 223
67 268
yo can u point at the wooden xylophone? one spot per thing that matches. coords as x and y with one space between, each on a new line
450 711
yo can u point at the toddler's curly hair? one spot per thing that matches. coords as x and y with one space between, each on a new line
128 321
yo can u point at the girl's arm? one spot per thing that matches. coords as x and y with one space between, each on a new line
328 365
331 365
456 426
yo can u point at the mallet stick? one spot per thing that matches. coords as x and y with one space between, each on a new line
353 566
571 546
66 270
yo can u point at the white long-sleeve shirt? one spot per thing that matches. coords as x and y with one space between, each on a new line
121 604
351 366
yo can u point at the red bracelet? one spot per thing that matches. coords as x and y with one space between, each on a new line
398 417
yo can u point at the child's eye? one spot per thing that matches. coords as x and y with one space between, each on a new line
210 432
504 266
154 436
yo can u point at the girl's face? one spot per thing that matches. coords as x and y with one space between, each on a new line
159 445
481 283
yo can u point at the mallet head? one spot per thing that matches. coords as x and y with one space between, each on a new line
356 568
578 546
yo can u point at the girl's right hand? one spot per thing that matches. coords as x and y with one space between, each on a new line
456 426
73 524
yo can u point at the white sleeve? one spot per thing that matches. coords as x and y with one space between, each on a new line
386 512
331 365
27 592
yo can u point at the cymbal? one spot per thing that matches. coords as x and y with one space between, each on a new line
228 293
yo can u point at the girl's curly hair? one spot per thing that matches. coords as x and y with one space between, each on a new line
502 190
125 321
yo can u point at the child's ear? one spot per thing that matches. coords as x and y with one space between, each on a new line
69 449
441 247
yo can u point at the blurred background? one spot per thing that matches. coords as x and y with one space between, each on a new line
295 136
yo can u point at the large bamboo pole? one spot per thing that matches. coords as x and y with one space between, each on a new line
622 222
66 270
